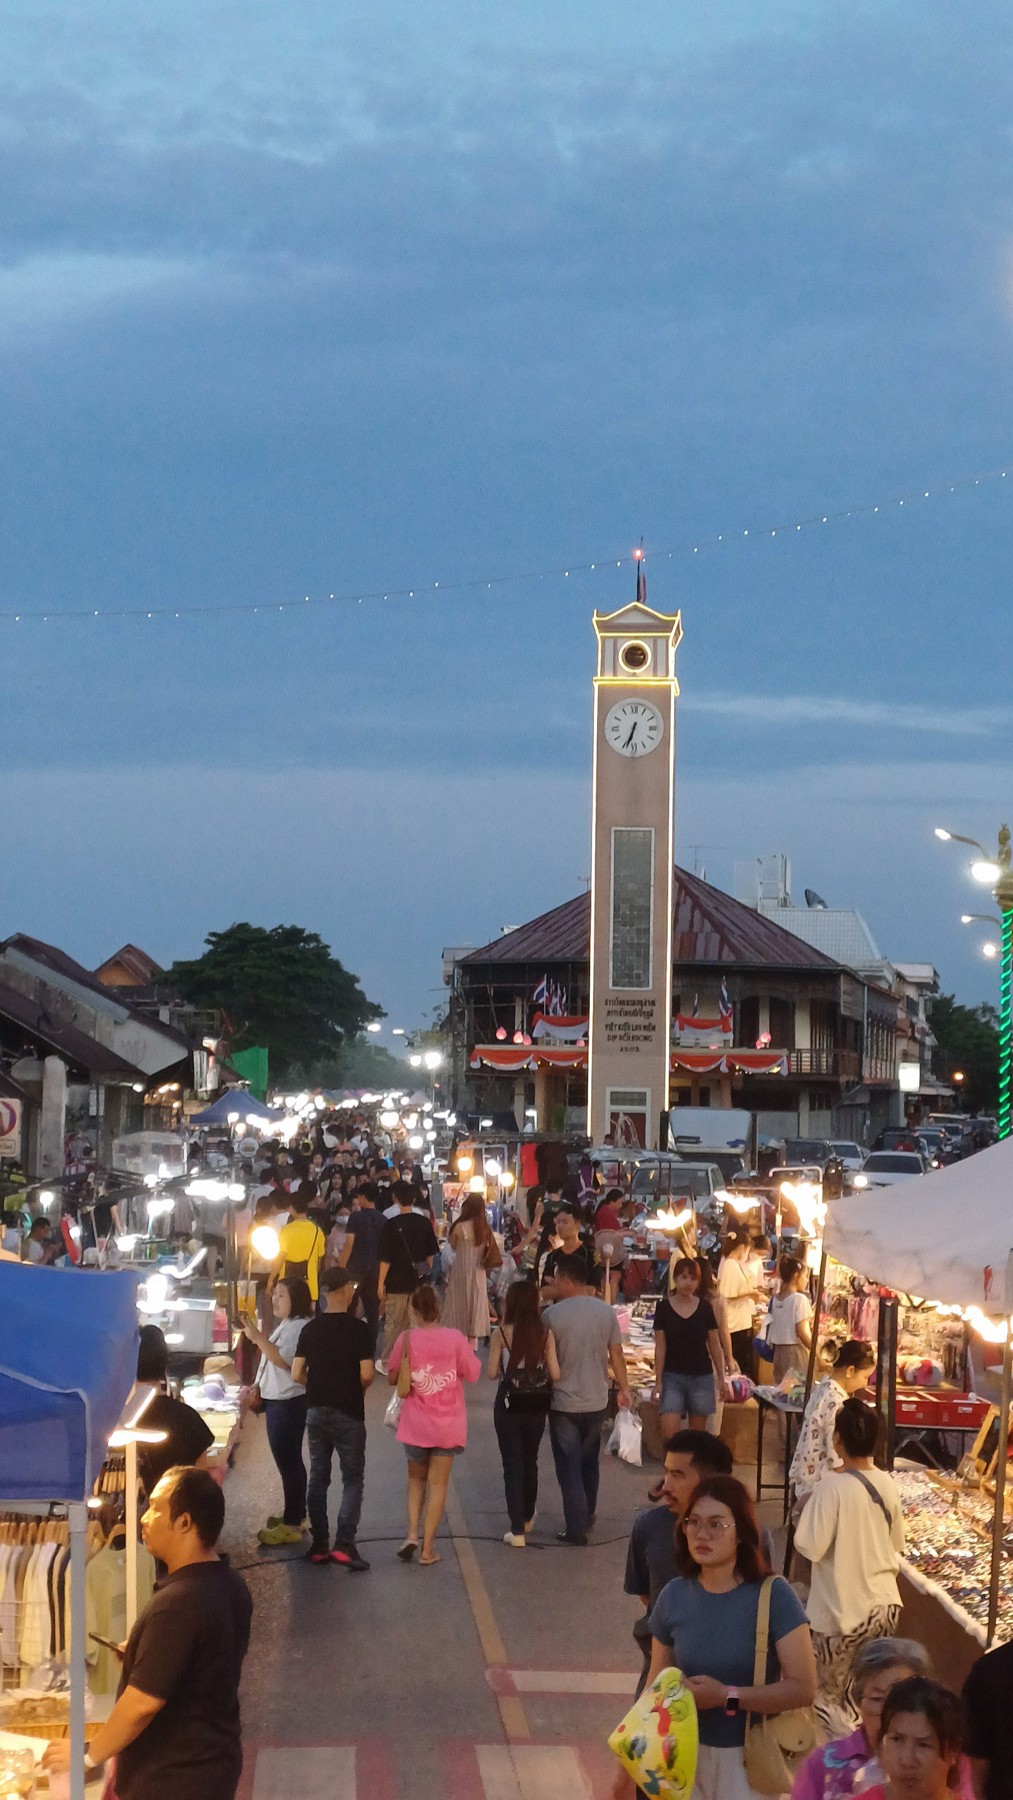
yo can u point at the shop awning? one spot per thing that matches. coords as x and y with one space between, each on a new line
68 1356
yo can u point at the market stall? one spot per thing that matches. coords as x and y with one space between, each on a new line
945 1241
68 1355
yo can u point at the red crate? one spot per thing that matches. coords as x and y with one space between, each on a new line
917 1408
958 1412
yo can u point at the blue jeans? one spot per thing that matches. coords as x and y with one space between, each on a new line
576 1446
328 1431
286 1422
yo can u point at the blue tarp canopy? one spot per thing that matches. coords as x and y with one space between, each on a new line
68 1358
234 1100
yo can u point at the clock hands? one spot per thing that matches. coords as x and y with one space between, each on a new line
633 733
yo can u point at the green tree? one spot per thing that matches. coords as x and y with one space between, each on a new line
968 1038
280 987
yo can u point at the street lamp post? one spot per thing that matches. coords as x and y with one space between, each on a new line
997 873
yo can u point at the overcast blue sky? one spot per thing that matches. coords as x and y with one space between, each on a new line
315 298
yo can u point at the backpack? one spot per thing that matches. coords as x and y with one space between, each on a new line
526 1390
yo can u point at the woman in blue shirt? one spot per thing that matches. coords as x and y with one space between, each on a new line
704 1623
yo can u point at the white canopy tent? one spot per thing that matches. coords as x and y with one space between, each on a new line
946 1237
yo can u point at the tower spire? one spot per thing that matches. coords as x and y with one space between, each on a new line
638 557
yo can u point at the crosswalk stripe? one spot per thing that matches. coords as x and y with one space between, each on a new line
324 1772
531 1772
572 1681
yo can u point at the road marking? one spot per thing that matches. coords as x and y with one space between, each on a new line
563 1681
325 1772
531 1772
515 1724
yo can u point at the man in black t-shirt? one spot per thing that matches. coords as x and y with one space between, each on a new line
334 1359
407 1247
360 1252
175 1726
572 1242
988 1741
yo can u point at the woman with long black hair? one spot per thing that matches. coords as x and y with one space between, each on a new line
522 1358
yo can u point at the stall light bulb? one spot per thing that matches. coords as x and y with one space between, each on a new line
416 1141
464 1165
507 1179
477 1184
46 1197
266 1242
493 1168
388 1119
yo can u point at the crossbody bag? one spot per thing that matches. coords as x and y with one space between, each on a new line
873 1493
776 1743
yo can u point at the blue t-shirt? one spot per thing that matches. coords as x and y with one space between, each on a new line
715 1634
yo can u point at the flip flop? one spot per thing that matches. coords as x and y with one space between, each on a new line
408 1549
425 1562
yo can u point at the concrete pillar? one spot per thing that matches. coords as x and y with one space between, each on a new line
726 1090
803 1034
803 1113
543 1098
764 1010
53 1120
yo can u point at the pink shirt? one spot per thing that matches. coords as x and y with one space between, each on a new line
433 1415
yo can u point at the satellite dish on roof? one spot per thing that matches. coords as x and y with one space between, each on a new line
815 901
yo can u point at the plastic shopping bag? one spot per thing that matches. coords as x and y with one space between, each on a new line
657 1740
393 1413
625 1441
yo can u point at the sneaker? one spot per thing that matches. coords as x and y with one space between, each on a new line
279 1519
318 1556
381 1366
280 1534
348 1556
515 1539
565 1537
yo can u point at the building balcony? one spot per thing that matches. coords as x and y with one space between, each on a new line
826 1065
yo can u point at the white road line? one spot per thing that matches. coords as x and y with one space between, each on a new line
531 1772
325 1772
572 1681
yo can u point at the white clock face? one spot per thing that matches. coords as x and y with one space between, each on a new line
634 727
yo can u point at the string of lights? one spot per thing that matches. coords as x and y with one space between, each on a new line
692 546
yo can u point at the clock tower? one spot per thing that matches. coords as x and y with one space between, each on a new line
632 851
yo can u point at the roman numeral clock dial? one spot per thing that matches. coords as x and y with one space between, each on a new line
633 727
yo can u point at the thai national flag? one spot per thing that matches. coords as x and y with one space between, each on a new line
726 1005
540 997
695 1014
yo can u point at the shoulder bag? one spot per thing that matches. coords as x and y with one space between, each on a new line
776 1744
420 1269
492 1255
402 1387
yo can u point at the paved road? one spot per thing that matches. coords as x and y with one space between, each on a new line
495 1675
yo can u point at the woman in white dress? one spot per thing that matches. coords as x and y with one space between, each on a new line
476 1252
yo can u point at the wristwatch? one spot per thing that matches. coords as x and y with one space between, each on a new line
731 1703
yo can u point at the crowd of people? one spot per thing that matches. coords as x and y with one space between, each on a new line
362 1288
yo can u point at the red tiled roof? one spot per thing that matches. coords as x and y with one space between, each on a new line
708 927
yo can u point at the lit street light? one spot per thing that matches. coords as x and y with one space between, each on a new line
997 873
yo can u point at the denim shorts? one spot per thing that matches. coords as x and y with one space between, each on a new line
421 1452
688 1394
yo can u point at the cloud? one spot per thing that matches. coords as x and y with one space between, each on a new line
785 711
391 868
40 291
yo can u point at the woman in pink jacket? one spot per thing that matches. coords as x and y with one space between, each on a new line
433 1426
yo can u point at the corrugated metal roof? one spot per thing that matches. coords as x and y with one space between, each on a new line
67 1039
708 927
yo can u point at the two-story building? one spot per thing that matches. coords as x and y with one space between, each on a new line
761 1020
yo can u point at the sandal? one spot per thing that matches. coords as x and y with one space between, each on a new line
425 1562
408 1549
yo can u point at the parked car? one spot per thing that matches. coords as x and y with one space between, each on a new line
807 1150
900 1137
884 1168
851 1155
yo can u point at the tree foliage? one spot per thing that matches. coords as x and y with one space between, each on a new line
968 1038
358 1064
280 987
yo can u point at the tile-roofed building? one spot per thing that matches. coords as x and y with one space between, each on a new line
762 1019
